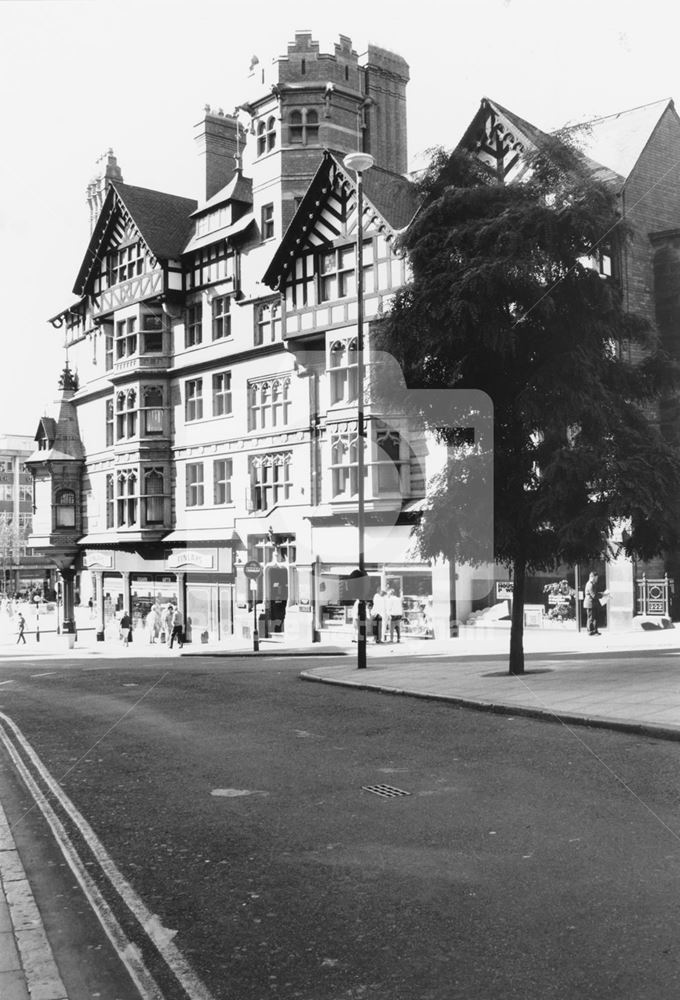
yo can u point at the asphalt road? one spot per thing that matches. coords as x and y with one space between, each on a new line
528 860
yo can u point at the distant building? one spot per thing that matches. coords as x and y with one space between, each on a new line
19 569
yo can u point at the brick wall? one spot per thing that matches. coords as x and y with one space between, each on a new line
651 203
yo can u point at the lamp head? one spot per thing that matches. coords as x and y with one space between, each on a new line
358 162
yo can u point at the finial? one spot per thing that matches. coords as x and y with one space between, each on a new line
67 379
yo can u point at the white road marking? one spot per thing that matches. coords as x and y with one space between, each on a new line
235 793
150 923
8 682
50 673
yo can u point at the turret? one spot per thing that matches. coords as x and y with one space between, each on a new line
99 185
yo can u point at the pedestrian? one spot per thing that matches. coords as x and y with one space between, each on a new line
21 621
355 621
177 629
166 623
591 603
379 614
154 622
125 628
395 612
90 605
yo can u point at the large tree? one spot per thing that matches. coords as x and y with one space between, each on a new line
504 298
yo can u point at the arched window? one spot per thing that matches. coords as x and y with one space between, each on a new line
387 475
303 127
65 509
152 405
266 135
109 423
126 498
153 496
342 364
126 414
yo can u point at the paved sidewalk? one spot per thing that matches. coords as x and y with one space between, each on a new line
628 681
27 967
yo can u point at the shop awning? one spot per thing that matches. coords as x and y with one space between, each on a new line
191 536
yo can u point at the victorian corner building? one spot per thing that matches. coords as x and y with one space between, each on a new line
213 419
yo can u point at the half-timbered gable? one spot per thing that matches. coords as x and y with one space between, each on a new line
135 249
314 267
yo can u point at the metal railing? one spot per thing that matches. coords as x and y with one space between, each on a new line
653 597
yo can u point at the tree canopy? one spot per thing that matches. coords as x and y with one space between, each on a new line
506 297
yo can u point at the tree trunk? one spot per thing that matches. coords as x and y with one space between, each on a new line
519 575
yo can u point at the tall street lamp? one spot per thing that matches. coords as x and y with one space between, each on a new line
359 163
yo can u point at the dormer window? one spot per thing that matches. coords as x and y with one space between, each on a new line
65 509
266 136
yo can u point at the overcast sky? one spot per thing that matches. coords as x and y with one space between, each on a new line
78 76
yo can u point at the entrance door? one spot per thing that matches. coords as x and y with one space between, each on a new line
277 596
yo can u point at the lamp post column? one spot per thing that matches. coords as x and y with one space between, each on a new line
360 162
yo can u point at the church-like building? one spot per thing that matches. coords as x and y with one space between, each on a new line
213 418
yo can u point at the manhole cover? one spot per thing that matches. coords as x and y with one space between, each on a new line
386 791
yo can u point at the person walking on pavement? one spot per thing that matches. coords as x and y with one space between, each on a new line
177 629
591 603
125 628
395 611
379 614
22 626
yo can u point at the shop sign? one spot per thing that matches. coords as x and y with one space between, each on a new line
504 589
99 559
190 558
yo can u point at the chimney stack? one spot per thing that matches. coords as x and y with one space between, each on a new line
220 141
99 185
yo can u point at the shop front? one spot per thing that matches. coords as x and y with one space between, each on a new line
207 586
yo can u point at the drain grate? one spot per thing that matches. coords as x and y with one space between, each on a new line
386 791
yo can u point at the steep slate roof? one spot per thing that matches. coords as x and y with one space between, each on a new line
617 140
163 220
393 197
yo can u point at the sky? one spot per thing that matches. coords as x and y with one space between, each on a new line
80 76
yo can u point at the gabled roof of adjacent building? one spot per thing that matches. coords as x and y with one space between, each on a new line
617 141
163 221
611 145
391 197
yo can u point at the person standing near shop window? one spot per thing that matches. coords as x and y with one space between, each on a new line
379 615
177 629
591 603
395 611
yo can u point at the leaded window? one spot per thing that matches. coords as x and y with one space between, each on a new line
193 403
270 480
126 414
222 475
343 371
268 403
221 317
221 394
153 496
126 498
194 483
194 321
152 409
267 322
